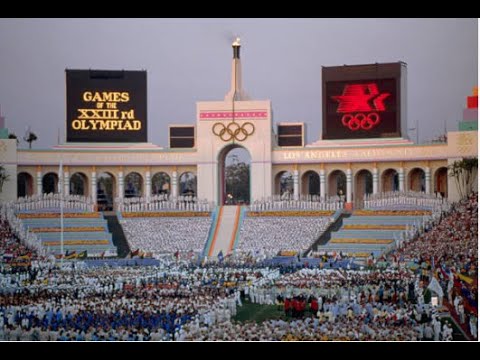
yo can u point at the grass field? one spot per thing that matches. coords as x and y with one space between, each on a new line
259 313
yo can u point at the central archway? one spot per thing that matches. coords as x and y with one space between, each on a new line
234 175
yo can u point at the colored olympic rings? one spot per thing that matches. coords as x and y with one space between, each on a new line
233 131
357 121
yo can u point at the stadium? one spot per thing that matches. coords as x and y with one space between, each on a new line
240 230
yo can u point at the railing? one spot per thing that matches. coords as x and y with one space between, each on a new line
435 202
163 202
305 202
53 201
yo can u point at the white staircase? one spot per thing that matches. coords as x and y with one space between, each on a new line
224 236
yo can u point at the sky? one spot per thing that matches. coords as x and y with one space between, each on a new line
189 60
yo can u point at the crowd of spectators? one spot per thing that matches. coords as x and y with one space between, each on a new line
162 235
269 235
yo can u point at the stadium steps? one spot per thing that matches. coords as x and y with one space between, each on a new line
118 236
365 234
243 213
211 231
327 234
340 232
383 220
226 230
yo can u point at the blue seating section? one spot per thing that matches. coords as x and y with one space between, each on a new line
88 237
381 234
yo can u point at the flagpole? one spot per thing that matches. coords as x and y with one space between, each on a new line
61 211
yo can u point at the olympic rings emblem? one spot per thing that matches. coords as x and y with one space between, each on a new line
233 131
357 121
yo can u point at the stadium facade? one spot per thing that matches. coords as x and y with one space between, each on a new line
384 161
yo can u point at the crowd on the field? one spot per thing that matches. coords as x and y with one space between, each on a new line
178 300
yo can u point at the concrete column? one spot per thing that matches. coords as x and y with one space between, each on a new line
120 187
375 180
148 185
66 183
401 179
295 184
428 175
322 184
349 186
39 182
174 184
93 188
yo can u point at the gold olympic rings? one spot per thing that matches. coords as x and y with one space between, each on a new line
233 131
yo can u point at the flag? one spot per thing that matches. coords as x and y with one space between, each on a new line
445 272
82 255
435 287
7 256
220 256
135 253
71 255
24 260
176 254
467 279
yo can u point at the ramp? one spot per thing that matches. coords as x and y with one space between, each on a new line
226 230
